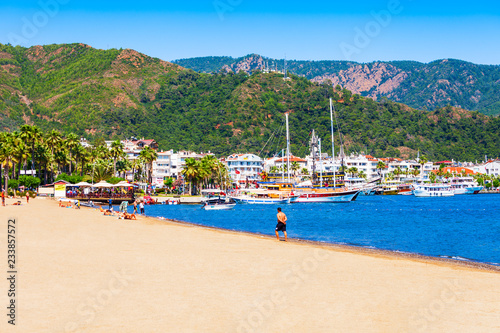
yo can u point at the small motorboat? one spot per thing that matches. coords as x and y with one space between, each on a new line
218 204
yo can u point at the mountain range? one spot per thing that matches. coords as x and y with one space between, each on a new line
119 93
422 86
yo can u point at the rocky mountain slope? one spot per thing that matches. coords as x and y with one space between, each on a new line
115 94
422 86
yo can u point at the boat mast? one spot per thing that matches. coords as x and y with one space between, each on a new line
287 149
282 166
320 164
333 145
313 146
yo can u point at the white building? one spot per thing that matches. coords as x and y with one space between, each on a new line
162 167
491 168
243 167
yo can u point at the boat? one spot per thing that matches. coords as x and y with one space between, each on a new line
319 196
219 204
465 185
388 187
262 196
405 189
326 186
433 190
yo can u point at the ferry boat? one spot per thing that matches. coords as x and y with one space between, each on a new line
314 194
433 190
262 196
387 189
219 204
325 195
465 185
405 189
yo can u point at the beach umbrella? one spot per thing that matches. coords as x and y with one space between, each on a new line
102 184
82 184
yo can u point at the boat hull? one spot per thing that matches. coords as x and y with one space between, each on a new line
219 207
474 189
261 201
346 196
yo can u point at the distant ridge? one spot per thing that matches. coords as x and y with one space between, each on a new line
119 93
420 85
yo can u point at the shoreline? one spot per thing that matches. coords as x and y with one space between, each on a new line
81 271
380 253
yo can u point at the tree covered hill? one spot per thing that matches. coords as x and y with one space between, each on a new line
422 86
116 94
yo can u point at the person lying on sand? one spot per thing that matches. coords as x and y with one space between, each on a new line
108 212
128 216
17 203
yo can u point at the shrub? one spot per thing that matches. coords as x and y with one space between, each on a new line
13 183
29 181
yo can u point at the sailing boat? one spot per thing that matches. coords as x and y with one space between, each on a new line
330 187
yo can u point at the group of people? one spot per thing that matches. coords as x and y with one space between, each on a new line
124 206
17 203
70 204
121 214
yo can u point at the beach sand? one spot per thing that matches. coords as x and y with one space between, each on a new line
80 271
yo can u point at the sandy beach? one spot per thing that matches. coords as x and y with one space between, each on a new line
80 271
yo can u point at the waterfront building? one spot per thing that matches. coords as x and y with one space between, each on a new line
243 167
490 168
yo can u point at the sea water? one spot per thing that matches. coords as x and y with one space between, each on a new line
462 227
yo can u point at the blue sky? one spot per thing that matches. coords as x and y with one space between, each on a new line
361 31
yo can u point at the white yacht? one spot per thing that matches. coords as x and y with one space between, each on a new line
465 185
433 190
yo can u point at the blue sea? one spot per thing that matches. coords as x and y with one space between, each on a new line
463 227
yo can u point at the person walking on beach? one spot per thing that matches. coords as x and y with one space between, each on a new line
135 207
3 197
141 206
281 226
110 204
27 197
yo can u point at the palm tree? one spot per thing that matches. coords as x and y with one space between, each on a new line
53 140
415 171
21 155
190 172
295 167
380 165
304 171
71 143
398 171
102 171
31 135
422 162
362 174
148 155
116 152
7 150
353 171
122 166
390 176
274 169
82 156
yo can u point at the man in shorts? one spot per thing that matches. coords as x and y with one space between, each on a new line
281 226
141 207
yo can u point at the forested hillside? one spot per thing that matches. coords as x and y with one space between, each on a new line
422 86
115 94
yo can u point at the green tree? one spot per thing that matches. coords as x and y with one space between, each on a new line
148 156
116 152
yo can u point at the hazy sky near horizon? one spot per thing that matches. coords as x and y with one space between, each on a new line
362 31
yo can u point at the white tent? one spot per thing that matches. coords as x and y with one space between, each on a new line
123 183
83 184
102 184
